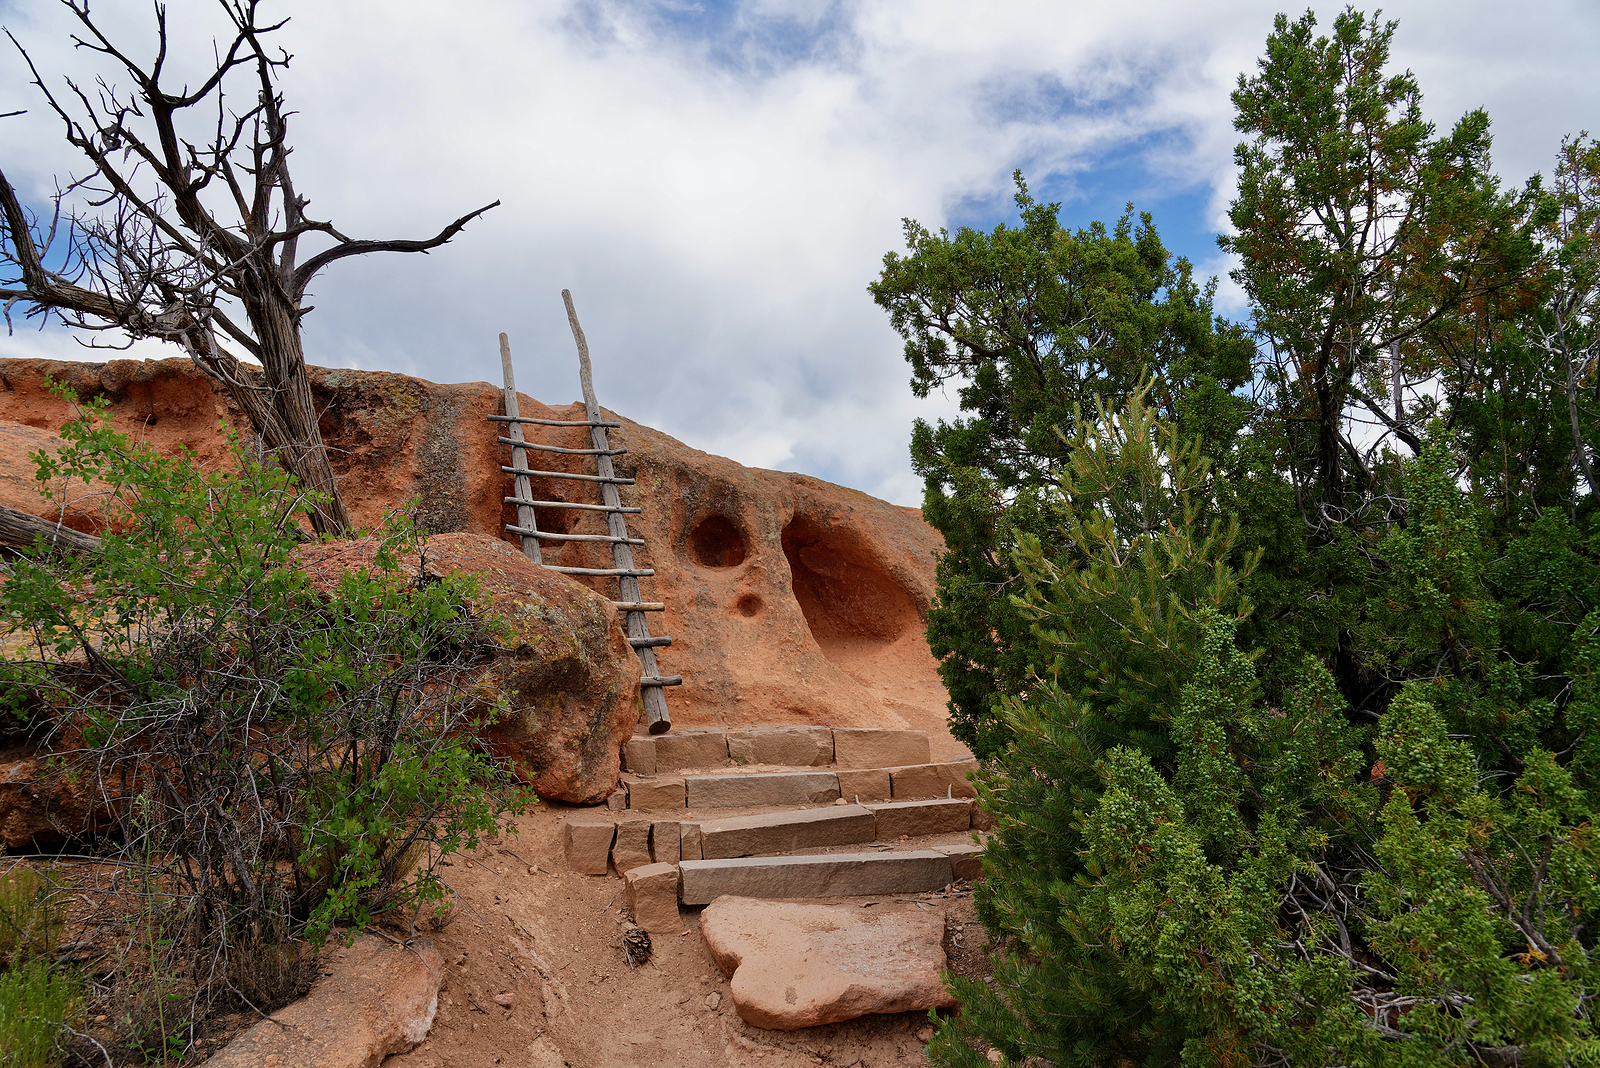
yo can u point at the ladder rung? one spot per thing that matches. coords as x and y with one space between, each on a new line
556 448
625 572
661 680
650 643
544 536
581 507
638 606
563 474
547 422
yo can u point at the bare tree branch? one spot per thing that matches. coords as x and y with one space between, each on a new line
150 257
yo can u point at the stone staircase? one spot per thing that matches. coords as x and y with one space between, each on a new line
815 812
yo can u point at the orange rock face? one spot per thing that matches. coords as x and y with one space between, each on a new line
560 660
789 600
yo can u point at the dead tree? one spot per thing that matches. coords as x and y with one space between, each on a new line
193 228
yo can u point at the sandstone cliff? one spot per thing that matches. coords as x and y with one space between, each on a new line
790 600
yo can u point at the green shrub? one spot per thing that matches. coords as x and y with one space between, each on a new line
35 1002
33 911
275 758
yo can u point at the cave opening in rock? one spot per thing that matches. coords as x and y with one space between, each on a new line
846 595
716 541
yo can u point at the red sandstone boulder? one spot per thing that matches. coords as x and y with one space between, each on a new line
38 805
376 998
794 964
572 679
789 600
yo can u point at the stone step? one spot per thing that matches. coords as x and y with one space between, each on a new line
652 891
800 787
800 746
841 874
771 788
593 845
782 832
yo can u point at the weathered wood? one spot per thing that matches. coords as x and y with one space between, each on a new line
563 474
639 606
570 504
544 536
657 719
661 680
524 489
652 643
547 422
634 572
18 529
557 448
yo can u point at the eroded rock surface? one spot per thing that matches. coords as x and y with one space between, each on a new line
790 600
377 999
796 964
571 678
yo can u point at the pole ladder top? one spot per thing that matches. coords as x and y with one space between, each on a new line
629 602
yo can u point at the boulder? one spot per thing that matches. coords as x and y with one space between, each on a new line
572 679
374 999
39 805
796 964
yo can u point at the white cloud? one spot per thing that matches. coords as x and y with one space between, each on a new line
718 196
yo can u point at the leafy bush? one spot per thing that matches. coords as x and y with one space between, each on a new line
277 758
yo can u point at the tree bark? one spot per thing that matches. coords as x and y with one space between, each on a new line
18 530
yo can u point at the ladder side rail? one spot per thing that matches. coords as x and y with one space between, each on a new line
658 720
519 458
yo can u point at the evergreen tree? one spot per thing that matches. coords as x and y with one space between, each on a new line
1298 765
1038 325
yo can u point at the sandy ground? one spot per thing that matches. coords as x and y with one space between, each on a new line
550 938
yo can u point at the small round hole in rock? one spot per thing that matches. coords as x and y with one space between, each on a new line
717 542
748 605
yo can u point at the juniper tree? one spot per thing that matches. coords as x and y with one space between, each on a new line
1036 324
1305 769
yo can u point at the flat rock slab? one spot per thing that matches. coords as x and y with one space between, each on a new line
767 788
915 818
874 747
815 876
796 747
651 894
864 784
587 843
665 792
965 860
779 832
934 780
639 755
690 748
799 964
379 1000
632 849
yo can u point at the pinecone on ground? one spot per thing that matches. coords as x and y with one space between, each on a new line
635 945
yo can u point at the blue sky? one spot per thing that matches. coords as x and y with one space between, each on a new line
718 182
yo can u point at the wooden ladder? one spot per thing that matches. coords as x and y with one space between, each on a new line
630 602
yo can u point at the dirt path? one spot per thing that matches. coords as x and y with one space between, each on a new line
552 940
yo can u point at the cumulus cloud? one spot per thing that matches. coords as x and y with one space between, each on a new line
717 183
